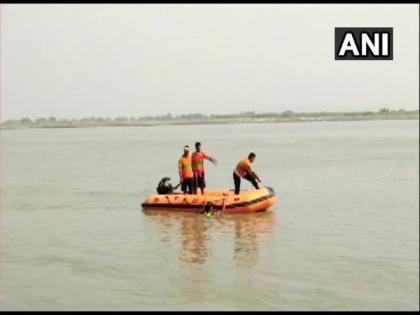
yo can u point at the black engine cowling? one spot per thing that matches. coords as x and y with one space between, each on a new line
165 186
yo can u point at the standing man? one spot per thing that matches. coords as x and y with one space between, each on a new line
243 169
198 158
186 175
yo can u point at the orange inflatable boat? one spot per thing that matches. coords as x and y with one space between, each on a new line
224 201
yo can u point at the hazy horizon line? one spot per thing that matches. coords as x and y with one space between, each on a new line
249 112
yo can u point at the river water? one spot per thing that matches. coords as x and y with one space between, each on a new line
343 236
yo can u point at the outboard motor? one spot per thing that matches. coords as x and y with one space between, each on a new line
165 186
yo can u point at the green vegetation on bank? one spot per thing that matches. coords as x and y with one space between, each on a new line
197 118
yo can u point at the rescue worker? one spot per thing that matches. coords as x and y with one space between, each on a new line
198 158
186 175
243 170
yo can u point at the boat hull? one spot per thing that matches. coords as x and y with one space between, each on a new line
221 201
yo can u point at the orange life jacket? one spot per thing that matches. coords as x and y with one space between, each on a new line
186 168
198 161
243 167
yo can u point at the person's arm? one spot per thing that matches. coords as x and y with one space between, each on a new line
211 159
193 165
250 171
180 171
256 176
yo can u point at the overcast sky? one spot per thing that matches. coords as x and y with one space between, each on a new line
74 61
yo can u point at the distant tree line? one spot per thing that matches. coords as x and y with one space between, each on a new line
199 117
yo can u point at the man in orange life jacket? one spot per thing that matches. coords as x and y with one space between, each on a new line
243 170
198 158
186 175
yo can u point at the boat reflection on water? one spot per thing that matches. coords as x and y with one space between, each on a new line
198 233
194 239
250 232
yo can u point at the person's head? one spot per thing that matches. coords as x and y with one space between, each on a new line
251 157
198 146
186 149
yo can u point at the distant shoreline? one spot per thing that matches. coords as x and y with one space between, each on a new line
200 119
